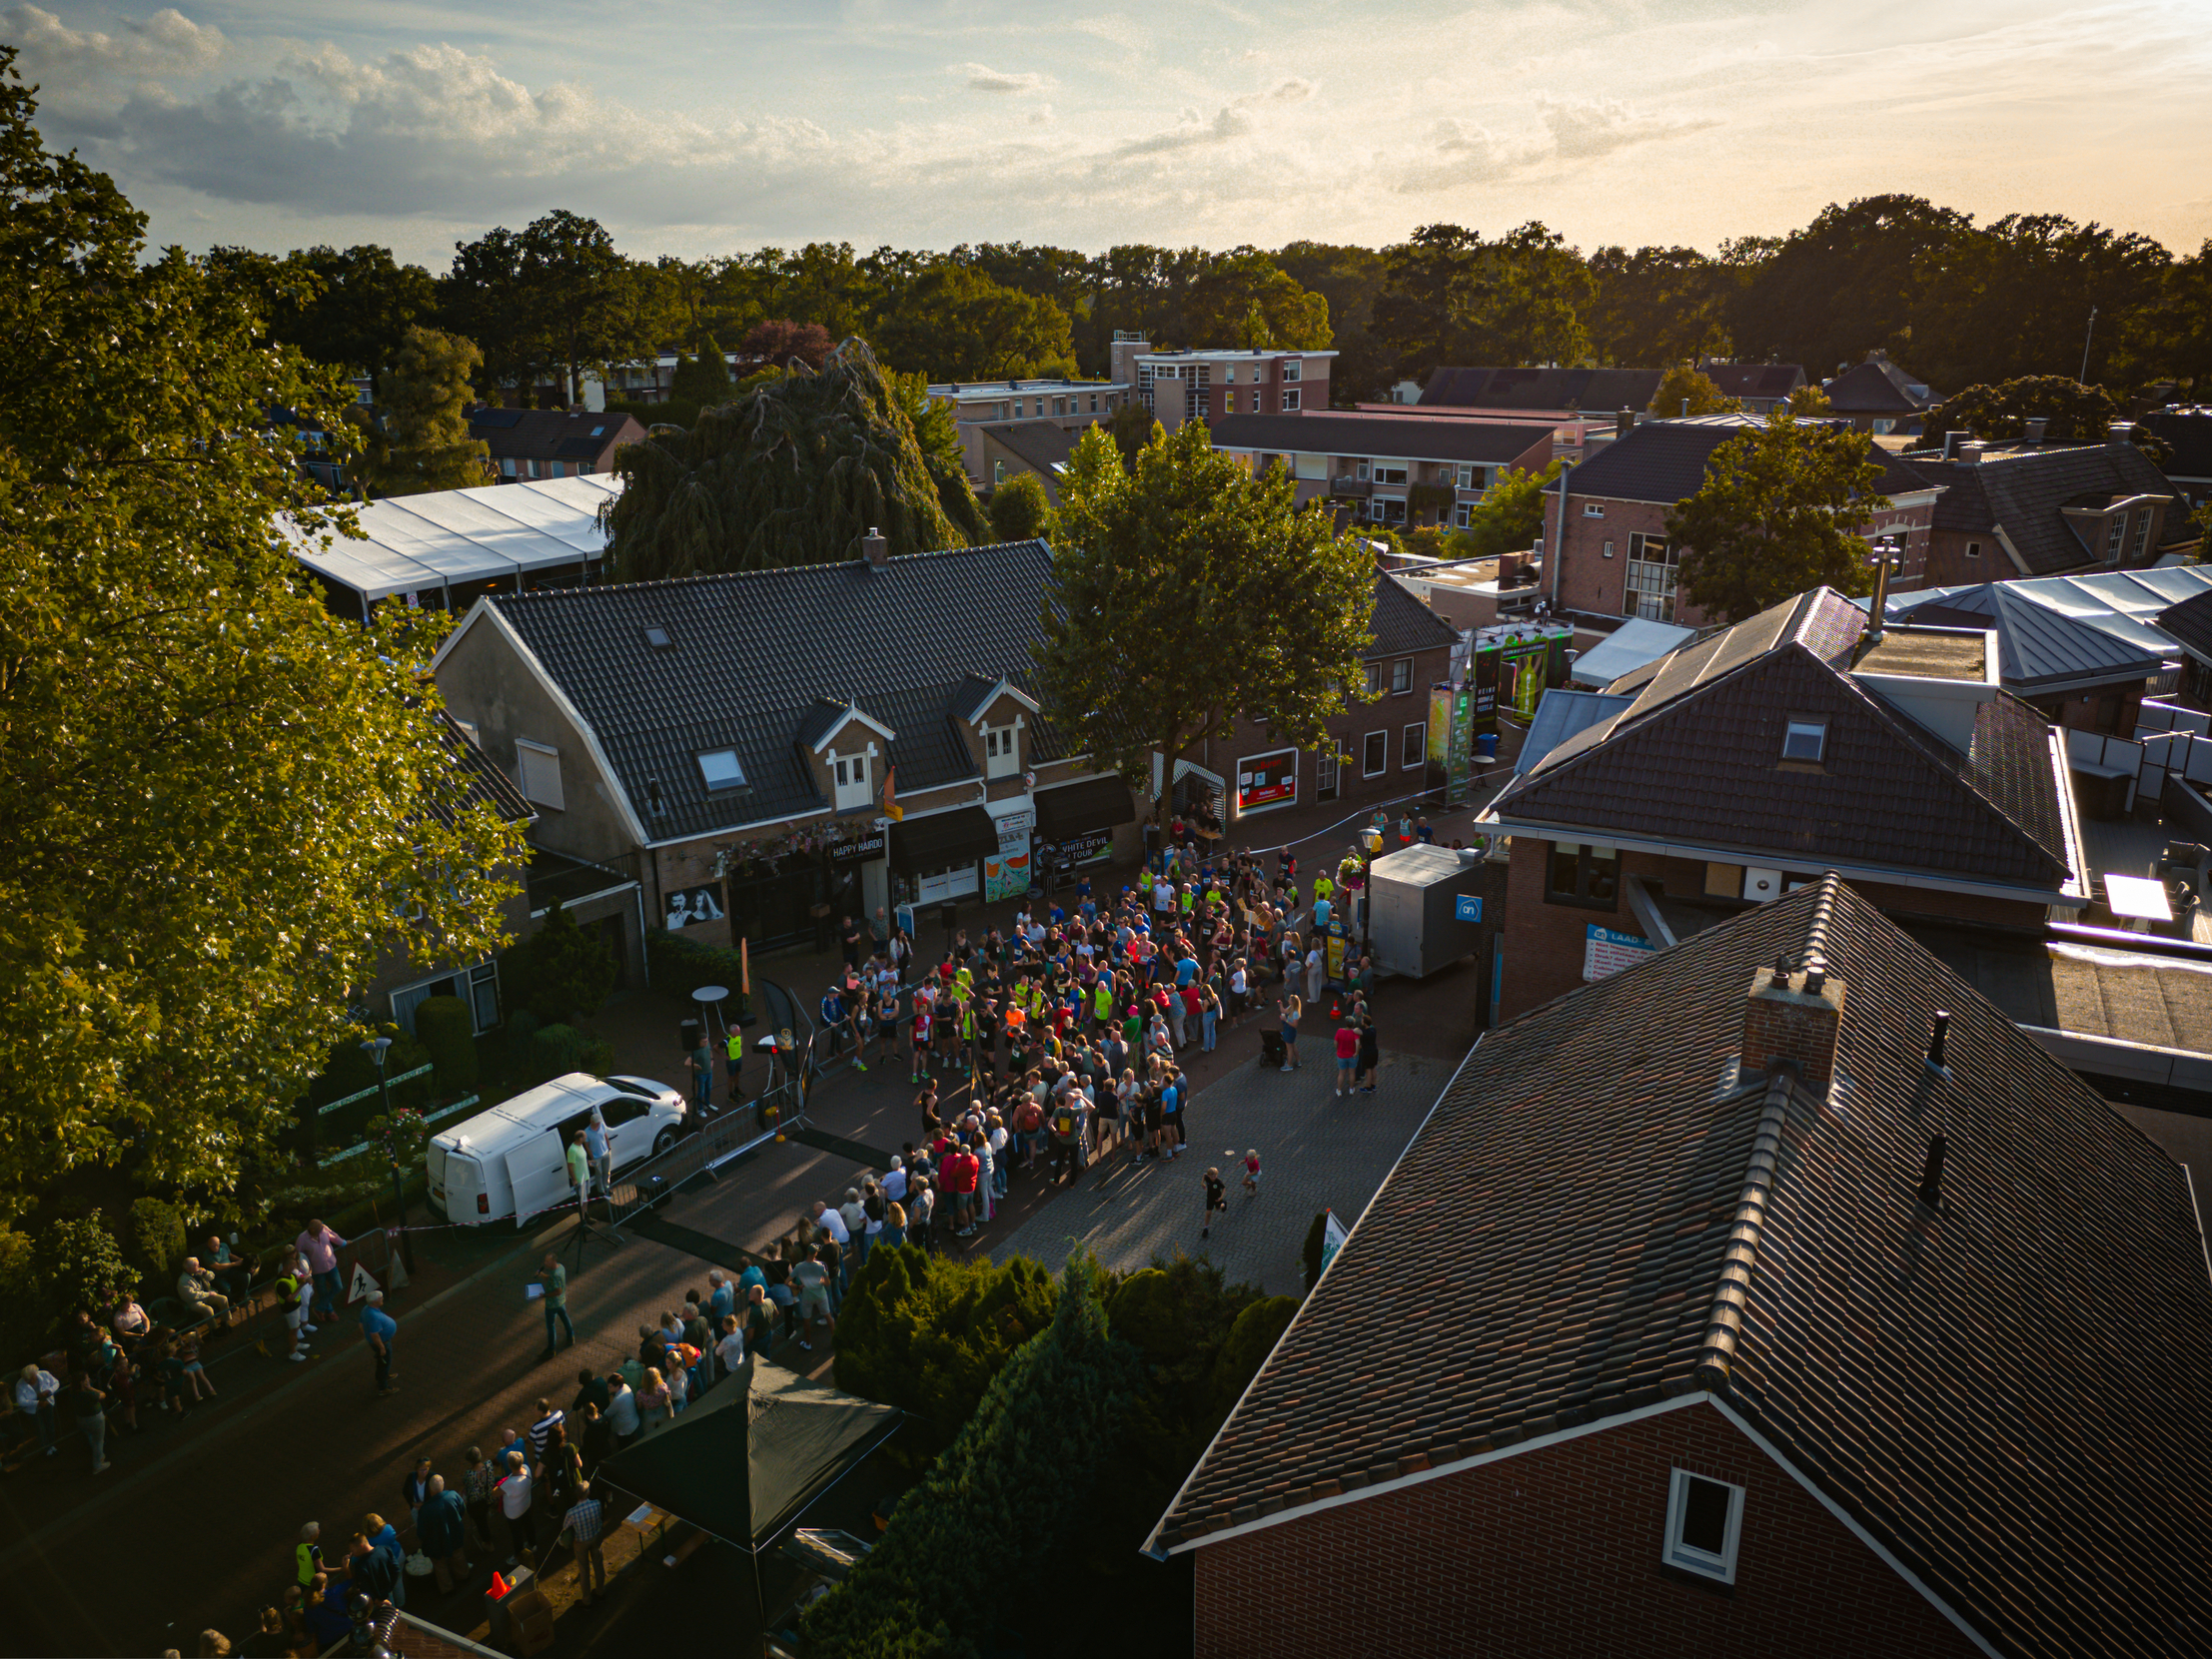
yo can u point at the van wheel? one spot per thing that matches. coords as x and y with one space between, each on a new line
663 1142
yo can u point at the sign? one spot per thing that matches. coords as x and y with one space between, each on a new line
1007 874
1468 907
1449 739
1088 848
859 849
1332 1237
1267 780
1607 952
1336 947
364 1282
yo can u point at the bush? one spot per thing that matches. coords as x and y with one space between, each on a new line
157 1237
447 1032
562 968
77 1265
597 1056
1251 1340
556 1050
21 1324
349 1071
678 959
1018 508
674 413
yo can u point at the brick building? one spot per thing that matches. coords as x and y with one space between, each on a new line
1752 760
552 443
1023 416
1878 396
1776 1296
1609 519
2027 510
1387 468
1206 386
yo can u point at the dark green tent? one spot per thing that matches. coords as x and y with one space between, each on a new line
759 1448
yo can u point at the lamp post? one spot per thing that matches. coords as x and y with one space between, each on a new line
376 1049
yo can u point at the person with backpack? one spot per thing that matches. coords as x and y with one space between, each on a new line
1066 1129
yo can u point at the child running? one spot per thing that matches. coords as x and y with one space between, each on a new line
1217 1198
1252 1173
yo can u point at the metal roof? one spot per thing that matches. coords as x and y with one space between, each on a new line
1628 648
2038 648
1559 716
421 544
2123 604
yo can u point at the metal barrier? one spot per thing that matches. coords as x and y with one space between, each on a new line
733 1132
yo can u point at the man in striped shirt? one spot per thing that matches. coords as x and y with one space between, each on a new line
547 1415
585 1530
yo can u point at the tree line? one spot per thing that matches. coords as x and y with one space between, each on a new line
1956 302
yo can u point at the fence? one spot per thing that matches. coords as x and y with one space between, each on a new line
718 1141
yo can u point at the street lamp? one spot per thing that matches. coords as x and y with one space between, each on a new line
376 1049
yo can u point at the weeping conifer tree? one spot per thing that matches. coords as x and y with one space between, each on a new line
793 471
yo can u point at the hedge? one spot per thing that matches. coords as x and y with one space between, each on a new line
687 961
158 1238
447 1031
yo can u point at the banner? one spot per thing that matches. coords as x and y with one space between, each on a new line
1608 952
1007 874
1451 740
1333 1235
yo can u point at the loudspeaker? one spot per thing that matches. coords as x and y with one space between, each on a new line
689 1036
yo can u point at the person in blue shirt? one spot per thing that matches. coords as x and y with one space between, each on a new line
1186 967
834 1019
378 1328
1323 909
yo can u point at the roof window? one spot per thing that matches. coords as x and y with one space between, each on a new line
1705 1522
720 769
1804 740
657 636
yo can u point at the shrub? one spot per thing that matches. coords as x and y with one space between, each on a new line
678 959
77 1265
554 1050
20 1322
597 1056
1018 508
447 1031
565 969
157 1237
1251 1340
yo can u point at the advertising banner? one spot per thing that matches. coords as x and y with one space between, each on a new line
1267 780
1450 741
1006 875
1608 952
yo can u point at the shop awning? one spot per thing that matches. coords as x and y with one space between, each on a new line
920 846
1080 808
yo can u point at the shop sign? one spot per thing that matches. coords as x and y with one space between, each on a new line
1267 780
1606 951
859 849
1087 848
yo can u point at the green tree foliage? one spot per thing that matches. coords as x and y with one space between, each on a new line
562 969
2174 336
555 295
424 441
185 722
77 1264
1451 298
1348 278
1510 517
2202 519
1193 545
1849 281
444 1027
1244 291
2076 413
1001 1502
486 297
928 1333
1684 391
1809 399
1132 428
1659 304
704 379
1779 513
955 324
1417 316
348 309
157 1239
793 472
1020 507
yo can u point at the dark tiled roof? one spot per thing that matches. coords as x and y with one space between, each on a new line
2188 432
1038 442
1403 625
2023 491
1595 391
1410 437
484 784
1665 460
2190 624
1755 380
1879 386
2038 648
553 434
753 656
2009 1393
1695 759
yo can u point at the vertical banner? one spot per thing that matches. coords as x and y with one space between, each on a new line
1451 740
1006 873
1482 678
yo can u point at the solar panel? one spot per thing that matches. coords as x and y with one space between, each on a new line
498 419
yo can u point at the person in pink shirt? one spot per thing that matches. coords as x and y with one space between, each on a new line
321 1247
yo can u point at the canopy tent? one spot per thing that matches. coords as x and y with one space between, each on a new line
742 1462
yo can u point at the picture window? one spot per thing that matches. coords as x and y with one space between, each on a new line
1290 399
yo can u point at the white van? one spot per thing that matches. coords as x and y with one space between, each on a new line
510 1161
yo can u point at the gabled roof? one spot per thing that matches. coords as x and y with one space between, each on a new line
976 692
1039 444
1665 460
1879 386
1755 380
2038 650
1402 436
2187 429
827 716
1403 625
1595 391
1697 759
2190 624
754 657
2023 492
553 434
2007 1392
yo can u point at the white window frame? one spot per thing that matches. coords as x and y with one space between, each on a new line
2115 543
1291 369
706 774
1591 510
1688 1557
1816 730
1463 475
1413 741
2142 533
1375 679
1392 473
849 779
1463 514
1001 750
1374 742
1973 549
1289 400
998 473
538 773
1401 677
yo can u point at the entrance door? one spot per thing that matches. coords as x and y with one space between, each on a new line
1325 774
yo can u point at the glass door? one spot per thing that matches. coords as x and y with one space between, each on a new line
1325 774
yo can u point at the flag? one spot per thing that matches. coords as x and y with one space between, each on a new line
892 809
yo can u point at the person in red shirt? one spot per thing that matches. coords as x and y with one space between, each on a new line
1348 1054
959 1171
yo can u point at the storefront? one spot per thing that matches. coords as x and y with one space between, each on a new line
939 856
1266 781
1075 822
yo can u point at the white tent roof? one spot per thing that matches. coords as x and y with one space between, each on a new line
2122 603
421 543
1628 648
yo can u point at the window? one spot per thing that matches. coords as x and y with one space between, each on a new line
1358 470
1973 549
2142 530
1230 374
1228 403
1804 740
1387 473
1413 747
657 636
1094 403
2116 539
1401 676
1386 509
720 769
1885 427
1059 406
1017 408
1463 515
1375 754
1588 876
539 767
506 467
1375 679
1650 578
556 473
998 473
1705 1522
852 781
1609 550
1001 751
468 730
1291 367
1290 399
1464 477
1591 510
534 469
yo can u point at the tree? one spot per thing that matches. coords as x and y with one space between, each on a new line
1658 305
1809 399
184 721
1523 300
778 342
1419 314
350 310
704 379
593 306
1510 517
486 297
1684 390
1852 279
794 471
1243 298
423 442
952 323
1132 428
1020 507
1192 546
1349 278
562 969
2075 414
1778 513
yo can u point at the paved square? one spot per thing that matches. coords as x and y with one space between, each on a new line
1315 1152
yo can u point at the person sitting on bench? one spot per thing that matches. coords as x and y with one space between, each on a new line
196 1290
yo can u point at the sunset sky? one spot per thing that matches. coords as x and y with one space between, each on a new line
694 128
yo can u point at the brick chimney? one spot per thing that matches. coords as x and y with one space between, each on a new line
1624 422
875 546
1794 1017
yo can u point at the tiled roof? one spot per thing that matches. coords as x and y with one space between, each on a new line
2038 648
1595 391
1406 436
553 434
1755 380
1403 625
1039 442
1665 460
2023 493
2008 1391
751 655
1697 759
486 785
2188 432
2190 624
1879 386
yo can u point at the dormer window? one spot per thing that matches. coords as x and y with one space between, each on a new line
720 769
1806 740
850 773
2116 541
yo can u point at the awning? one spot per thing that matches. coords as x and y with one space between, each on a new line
1079 808
941 840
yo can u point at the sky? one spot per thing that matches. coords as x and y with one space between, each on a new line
694 128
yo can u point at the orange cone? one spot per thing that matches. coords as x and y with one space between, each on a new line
499 1586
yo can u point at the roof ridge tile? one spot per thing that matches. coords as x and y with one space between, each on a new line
1741 1257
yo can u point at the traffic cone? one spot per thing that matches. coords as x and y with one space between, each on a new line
498 1585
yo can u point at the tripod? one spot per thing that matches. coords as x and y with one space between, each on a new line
586 1228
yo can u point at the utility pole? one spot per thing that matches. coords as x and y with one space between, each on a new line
2088 335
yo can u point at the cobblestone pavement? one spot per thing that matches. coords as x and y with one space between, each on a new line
1316 1153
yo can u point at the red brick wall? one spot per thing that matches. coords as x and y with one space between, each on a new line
1557 1552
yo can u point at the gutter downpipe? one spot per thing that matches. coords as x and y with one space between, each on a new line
1555 555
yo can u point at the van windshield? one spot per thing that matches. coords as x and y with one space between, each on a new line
629 1087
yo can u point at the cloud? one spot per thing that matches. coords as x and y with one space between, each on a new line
1460 152
1296 90
1585 129
1041 116
168 43
1231 121
982 78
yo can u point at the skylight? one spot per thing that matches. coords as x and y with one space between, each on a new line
1804 740
720 769
657 636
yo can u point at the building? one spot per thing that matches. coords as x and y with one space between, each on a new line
2067 669
2027 509
1774 1296
1607 517
780 746
1763 387
1007 449
2189 625
552 443
1387 468
1753 759
1208 385
1877 397
1061 405
1560 391
2186 430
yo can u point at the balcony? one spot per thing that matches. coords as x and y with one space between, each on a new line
1351 489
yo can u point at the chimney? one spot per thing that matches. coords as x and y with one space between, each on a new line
875 547
1970 455
1877 355
1793 1018
1951 441
1931 1176
2121 431
2036 424
1938 1031
1624 422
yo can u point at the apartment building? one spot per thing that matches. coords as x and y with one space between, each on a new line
1210 386
1068 404
1387 468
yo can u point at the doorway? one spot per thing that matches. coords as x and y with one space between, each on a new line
1325 774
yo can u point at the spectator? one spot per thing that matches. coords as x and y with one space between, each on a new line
515 1504
190 1369
413 1489
590 1390
131 1323
586 1526
293 1294
384 1538
597 1438
554 1279
321 1247
233 1274
601 1151
836 1262
270 1641
622 1411
652 1400
731 1349
894 1226
441 1528
378 1328
476 1494
324 1613
760 1325
308 1553
721 1299
550 1418
90 1406
214 1645
196 1290
812 1279
370 1570
35 1391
